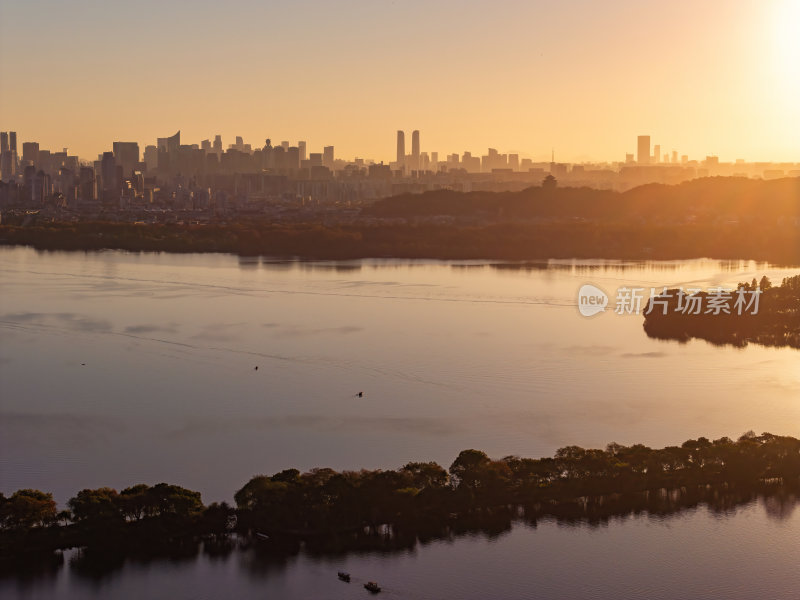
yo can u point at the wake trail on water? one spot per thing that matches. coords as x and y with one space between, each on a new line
255 292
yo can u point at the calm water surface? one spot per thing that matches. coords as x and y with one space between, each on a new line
745 553
120 368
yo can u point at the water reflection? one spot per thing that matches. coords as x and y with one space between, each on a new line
262 560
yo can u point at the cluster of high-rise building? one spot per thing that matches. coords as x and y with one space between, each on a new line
644 156
125 175
209 179
421 162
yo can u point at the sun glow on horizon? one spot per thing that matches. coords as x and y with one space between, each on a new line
786 47
584 78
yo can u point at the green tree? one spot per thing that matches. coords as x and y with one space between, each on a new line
175 500
260 493
95 505
28 508
134 501
426 474
465 469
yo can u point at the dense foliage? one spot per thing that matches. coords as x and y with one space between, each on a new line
420 496
723 218
776 323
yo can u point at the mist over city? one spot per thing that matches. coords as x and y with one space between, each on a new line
427 300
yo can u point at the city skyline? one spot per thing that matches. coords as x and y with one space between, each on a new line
471 77
644 152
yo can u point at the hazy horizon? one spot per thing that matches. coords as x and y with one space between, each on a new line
581 78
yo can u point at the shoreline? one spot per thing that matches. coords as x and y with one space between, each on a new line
418 498
513 242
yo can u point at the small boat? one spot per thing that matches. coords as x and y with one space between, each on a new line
262 536
344 576
372 587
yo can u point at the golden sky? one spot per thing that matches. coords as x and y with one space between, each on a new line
579 76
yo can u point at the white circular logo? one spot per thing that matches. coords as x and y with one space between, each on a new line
591 300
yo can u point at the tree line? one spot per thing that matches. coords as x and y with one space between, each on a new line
419 495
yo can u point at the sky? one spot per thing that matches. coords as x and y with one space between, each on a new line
582 78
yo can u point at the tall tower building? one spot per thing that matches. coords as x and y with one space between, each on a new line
643 150
327 157
108 174
30 153
401 148
657 154
126 155
3 141
86 189
302 146
415 150
12 139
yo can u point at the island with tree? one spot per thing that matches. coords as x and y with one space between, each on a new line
330 510
755 312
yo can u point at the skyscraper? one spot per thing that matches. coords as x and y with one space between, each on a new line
327 157
643 150
12 139
170 144
167 155
7 167
3 141
657 153
293 158
108 174
415 150
30 153
86 182
126 155
302 146
401 148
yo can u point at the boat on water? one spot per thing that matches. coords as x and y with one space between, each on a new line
344 576
262 536
372 587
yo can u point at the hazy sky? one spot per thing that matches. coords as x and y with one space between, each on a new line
582 76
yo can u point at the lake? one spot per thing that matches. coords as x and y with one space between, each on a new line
118 368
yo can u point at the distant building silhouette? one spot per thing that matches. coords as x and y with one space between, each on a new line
167 154
401 148
170 144
643 150
8 155
415 150
108 176
327 157
549 183
126 155
30 153
86 189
